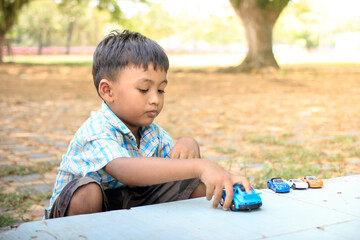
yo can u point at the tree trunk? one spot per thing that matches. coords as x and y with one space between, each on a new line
40 43
2 38
258 17
3 32
69 36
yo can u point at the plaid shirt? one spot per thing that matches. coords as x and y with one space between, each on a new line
102 138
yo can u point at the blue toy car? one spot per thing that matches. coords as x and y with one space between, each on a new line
278 185
243 200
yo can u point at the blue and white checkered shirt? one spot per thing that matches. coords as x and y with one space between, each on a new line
102 138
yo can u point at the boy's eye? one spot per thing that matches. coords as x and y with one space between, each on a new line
144 90
161 91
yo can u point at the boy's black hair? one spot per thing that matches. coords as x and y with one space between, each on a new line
119 50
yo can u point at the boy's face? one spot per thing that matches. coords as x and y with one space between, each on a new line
138 96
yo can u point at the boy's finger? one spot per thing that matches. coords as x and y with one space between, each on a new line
184 155
217 196
229 196
209 192
191 155
243 180
174 154
246 185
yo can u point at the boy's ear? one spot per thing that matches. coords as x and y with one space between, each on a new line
105 90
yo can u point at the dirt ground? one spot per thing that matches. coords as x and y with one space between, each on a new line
296 121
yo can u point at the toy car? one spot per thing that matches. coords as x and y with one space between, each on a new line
296 184
243 200
278 185
312 181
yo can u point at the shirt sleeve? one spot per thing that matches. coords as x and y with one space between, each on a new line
86 159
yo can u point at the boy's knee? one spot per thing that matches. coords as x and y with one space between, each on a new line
200 191
86 199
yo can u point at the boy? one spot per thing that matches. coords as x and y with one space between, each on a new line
119 158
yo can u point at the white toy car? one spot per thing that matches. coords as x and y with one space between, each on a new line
296 184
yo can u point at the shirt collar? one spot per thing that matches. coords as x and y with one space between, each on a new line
113 119
147 133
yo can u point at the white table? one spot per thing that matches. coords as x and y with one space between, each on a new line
332 212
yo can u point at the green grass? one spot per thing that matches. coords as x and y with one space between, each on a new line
291 171
21 170
14 200
226 150
344 139
264 139
19 202
289 161
6 220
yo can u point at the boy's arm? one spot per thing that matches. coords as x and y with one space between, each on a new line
152 170
185 147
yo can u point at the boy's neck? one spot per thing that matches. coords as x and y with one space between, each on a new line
137 137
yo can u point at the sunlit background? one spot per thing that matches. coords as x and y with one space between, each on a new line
306 31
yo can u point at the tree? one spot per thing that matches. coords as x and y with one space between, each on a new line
72 10
9 12
37 25
258 17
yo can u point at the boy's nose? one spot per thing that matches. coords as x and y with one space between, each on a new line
154 98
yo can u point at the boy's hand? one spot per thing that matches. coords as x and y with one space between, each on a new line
216 179
185 147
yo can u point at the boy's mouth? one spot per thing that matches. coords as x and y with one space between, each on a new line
152 113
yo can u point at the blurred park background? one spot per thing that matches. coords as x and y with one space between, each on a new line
268 87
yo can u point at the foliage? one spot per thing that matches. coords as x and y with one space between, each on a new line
156 23
311 40
37 23
162 26
9 11
46 23
299 25
88 30
112 6
92 24
272 4
72 10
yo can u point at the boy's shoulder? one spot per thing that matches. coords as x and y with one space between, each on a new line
94 127
101 124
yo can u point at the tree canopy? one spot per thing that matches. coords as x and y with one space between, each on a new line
9 12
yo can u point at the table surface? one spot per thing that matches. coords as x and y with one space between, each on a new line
332 212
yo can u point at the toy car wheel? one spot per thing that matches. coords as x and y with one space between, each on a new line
293 186
232 207
222 201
